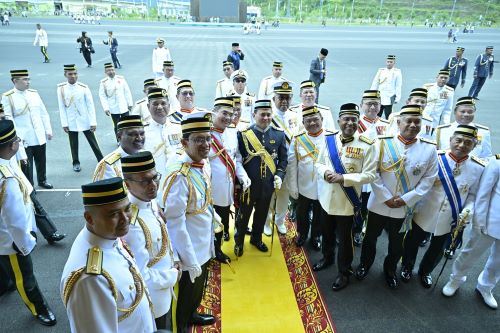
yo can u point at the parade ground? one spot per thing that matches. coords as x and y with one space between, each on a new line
198 52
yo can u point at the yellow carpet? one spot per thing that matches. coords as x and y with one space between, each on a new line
259 297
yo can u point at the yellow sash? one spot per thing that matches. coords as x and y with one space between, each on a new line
260 151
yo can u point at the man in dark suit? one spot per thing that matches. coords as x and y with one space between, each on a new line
113 49
318 70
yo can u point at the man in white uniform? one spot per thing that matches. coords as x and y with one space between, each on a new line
239 79
439 100
77 112
114 94
224 86
101 285
42 40
141 106
388 81
266 85
485 236
169 82
160 54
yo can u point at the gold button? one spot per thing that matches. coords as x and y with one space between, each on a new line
158 239
131 287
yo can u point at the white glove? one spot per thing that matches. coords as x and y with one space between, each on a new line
246 183
277 182
194 271
294 194
467 220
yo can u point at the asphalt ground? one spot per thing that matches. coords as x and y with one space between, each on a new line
355 55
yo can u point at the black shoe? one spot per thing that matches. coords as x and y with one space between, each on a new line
201 319
46 185
426 280
55 237
340 282
238 250
449 253
406 274
358 239
300 240
46 317
425 241
226 236
259 245
361 272
392 281
316 243
76 167
221 257
322 264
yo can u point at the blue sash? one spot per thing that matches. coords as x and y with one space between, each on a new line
450 188
349 191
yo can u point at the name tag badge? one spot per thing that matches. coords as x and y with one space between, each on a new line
272 141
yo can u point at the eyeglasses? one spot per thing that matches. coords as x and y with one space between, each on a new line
187 93
200 141
146 182
240 80
370 104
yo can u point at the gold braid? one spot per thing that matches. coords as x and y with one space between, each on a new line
139 287
165 243
75 276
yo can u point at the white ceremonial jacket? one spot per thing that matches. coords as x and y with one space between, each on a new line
483 147
161 276
388 82
140 108
192 233
301 168
41 38
159 56
247 105
170 85
439 103
326 113
420 163
266 90
425 130
76 106
433 212
223 87
222 182
29 114
488 199
114 94
110 166
360 164
91 306
17 218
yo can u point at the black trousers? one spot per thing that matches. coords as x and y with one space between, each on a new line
114 58
73 144
87 56
434 253
164 322
304 206
189 296
18 269
43 49
116 118
43 222
333 227
223 212
376 223
261 206
386 110
358 227
36 154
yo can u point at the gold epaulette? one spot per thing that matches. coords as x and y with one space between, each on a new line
135 213
10 92
185 169
157 80
384 137
82 84
293 107
383 120
366 140
104 80
6 173
428 85
220 81
94 261
449 88
481 127
112 158
497 156
479 161
62 84
231 126
444 126
441 152
322 107
141 101
432 142
32 90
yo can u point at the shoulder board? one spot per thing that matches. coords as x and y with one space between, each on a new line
429 119
432 142
10 92
267 77
293 107
176 77
331 132
277 128
383 120
4 170
479 161
119 76
104 80
322 107
497 156
300 133
135 213
82 84
112 158
185 168
94 261
428 85
449 88
62 84
366 140
32 90
384 137
441 152
382 68
444 126
482 127
220 81
250 94
157 80
397 69
141 101
231 126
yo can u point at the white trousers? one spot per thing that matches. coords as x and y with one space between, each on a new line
475 247
282 198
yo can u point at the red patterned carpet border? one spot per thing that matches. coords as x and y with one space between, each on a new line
312 308
211 302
